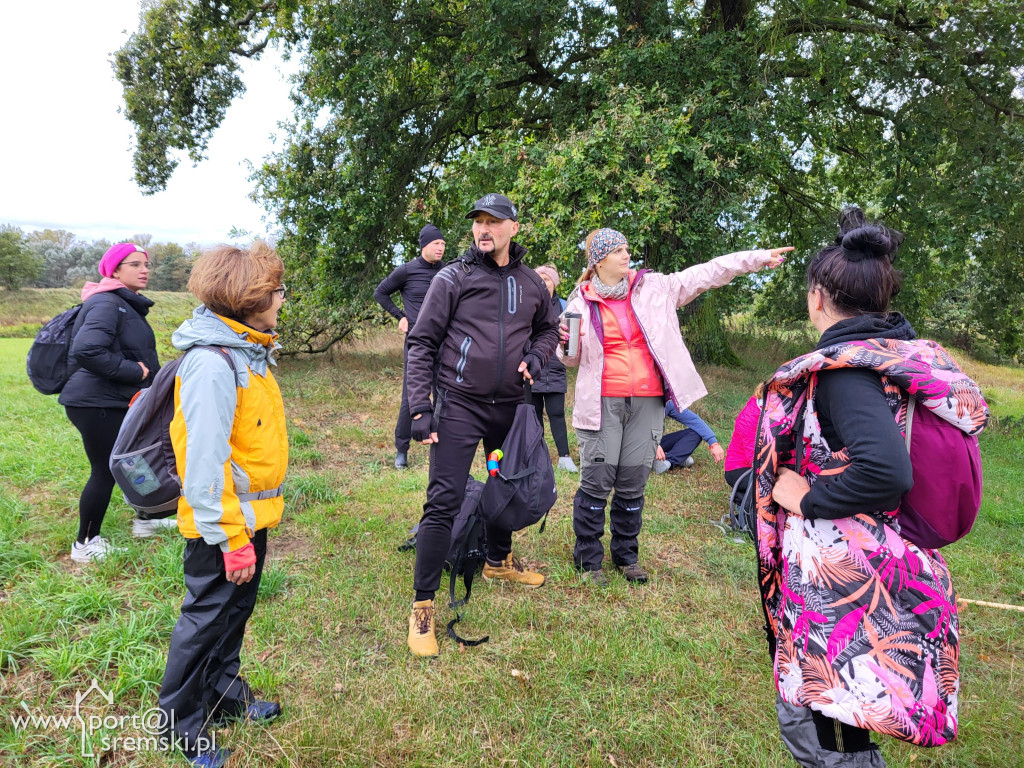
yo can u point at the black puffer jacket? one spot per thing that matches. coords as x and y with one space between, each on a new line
552 378
109 374
480 321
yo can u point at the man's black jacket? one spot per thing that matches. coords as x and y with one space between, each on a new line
481 320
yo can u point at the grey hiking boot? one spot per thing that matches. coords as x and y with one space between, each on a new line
596 578
633 572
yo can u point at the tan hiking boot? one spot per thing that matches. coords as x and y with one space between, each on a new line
422 640
513 570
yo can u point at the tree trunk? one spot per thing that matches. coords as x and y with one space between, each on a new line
649 18
726 14
705 336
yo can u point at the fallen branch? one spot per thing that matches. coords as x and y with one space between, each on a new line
1004 606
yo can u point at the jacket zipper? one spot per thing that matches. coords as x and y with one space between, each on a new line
647 341
501 337
460 367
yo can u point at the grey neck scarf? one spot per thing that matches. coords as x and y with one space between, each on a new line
617 291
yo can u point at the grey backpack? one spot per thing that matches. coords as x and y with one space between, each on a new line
142 460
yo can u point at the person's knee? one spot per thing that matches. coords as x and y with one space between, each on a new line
597 479
630 482
556 407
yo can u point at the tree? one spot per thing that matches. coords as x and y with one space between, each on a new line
171 267
18 265
693 127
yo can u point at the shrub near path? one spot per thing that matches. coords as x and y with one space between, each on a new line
673 673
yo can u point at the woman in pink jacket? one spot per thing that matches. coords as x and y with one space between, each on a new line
631 359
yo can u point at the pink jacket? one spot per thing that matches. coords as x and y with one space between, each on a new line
655 299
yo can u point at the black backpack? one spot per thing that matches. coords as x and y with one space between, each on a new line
142 460
466 553
523 489
47 363
743 506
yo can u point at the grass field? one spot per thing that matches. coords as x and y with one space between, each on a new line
673 673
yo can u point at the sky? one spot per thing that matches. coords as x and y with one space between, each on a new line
66 152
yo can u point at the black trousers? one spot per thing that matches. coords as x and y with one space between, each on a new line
461 424
201 680
679 445
98 427
554 403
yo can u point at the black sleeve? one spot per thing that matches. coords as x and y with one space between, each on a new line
94 342
544 336
388 286
427 336
851 405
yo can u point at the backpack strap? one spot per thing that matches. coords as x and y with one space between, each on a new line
455 605
225 355
911 401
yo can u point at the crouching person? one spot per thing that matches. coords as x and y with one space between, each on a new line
231 450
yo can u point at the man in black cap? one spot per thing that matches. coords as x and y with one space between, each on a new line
488 321
411 279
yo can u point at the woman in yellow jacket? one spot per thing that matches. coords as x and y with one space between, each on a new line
231 448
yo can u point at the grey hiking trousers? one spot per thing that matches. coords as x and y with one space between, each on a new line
618 457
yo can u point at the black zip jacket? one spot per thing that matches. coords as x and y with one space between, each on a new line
854 414
552 378
480 321
109 374
413 279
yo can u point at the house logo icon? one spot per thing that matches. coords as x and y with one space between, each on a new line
80 697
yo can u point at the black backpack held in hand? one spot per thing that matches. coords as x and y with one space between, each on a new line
142 460
523 490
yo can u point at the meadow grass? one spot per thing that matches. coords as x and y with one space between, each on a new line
672 673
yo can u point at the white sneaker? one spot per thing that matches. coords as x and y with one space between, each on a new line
142 529
95 548
688 463
661 466
565 462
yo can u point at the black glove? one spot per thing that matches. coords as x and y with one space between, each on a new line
421 428
533 367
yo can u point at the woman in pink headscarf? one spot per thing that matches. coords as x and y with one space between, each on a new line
631 360
113 356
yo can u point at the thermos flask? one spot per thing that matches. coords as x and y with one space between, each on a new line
572 346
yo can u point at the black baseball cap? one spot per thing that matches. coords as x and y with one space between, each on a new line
496 205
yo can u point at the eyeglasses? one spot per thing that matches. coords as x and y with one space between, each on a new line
135 264
282 290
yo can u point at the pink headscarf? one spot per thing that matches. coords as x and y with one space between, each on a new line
116 254
549 272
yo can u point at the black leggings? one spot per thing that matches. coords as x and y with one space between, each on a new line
837 736
555 404
99 428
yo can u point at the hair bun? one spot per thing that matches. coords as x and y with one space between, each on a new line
862 239
867 242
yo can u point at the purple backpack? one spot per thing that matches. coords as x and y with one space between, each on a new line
944 501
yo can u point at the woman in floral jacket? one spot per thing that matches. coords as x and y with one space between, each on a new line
862 623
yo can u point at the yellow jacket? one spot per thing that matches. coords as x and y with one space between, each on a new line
230 443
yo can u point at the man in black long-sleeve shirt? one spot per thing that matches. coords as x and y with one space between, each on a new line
412 280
